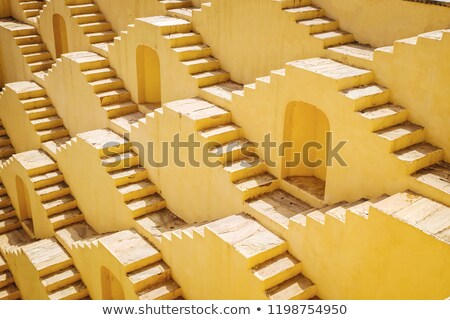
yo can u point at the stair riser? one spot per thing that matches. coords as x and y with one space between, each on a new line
194 54
223 138
177 5
55 194
388 121
329 26
108 86
185 41
31 5
121 164
38 57
34 48
179 16
9 227
213 79
101 38
338 40
281 277
48 124
89 19
61 208
405 141
428 160
67 222
90 77
115 98
48 182
84 9
286 4
28 40
140 193
302 195
203 67
131 179
248 172
53 135
256 191
7 215
310 14
47 112
149 209
40 67
64 282
151 281
96 27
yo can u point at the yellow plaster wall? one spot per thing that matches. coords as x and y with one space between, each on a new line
5 8
381 22
97 197
378 258
122 56
16 122
418 77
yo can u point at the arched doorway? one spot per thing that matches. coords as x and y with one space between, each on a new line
305 163
111 286
149 76
25 212
60 35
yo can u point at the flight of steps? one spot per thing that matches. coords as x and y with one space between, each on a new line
32 9
58 275
56 197
340 45
6 148
228 147
8 218
131 180
8 289
43 116
179 9
110 90
34 51
276 270
148 274
93 24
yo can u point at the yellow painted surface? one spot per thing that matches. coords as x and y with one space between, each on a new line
244 231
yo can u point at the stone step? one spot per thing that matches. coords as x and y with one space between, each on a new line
402 135
182 13
33 48
99 74
244 168
221 134
277 270
192 52
4 141
166 290
249 238
184 39
89 17
47 123
61 278
47 179
120 109
47 256
130 249
384 116
368 96
304 12
256 185
103 36
419 156
6 151
274 209
230 151
60 205
28 39
145 205
114 97
29 13
221 93
6 278
66 218
108 84
41 112
173 4
334 38
84 8
201 65
52 134
37 56
53 191
351 50
149 276
7 213
210 78
3 264
318 25
137 190
129 175
40 65
9 293
121 161
434 182
33 103
75 291
5 201
297 288
97 26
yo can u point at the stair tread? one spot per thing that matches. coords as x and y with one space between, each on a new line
8 291
399 130
274 266
135 186
152 270
59 276
224 90
52 188
381 111
364 91
57 202
128 247
329 68
68 291
416 152
56 218
144 202
279 206
245 235
209 133
46 253
159 290
355 49
159 222
436 176
256 181
290 289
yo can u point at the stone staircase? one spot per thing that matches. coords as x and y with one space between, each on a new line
148 274
93 24
35 53
109 89
227 145
8 218
6 148
338 44
277 272
43 116
8 289
121 163
58 275
32 9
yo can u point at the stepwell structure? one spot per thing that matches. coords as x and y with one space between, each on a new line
97 202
